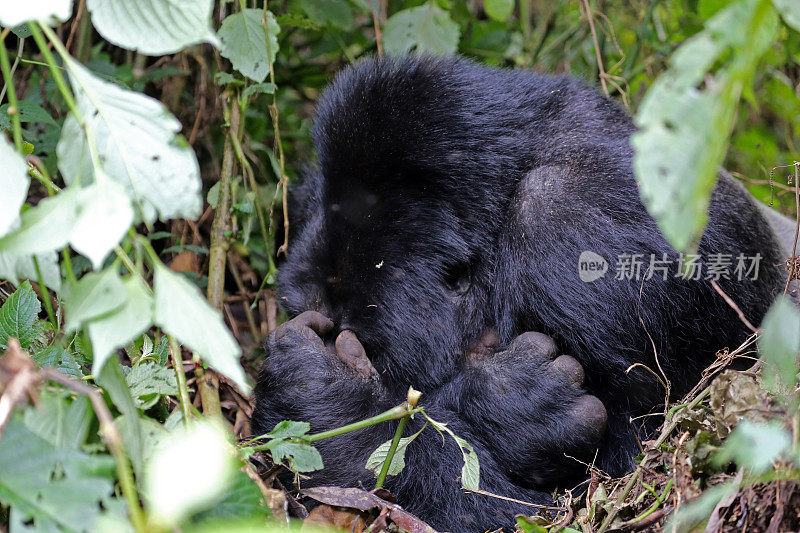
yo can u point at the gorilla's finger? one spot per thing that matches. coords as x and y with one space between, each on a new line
570 367
310 324
352 353
536 342
591 414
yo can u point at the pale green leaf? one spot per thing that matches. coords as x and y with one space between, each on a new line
755 446
46 227
300 456
470 472
790 11
244 42
14 182
60 359
136 144
54 489
499 9
289 428
27 112
183 312
426 28
49 11
106 215
153 27
780 343
60 420
19 315
117 329
174 487
112 380
16 267
95 295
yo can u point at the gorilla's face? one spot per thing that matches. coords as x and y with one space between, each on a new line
398 268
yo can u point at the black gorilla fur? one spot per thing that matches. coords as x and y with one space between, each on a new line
451 200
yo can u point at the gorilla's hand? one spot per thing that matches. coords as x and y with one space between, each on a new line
537 420
305 378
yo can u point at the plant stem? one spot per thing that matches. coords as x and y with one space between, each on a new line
55 70
48 305
114 441
400 411
12 96
392 449
183 391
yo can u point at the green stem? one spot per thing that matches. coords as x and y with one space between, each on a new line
5 66
45 294
394 413
183 390
392 449
55 70
400 411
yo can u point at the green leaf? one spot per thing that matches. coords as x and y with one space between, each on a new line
95 295
684 131
19 315
14 267
61 421
106 215
112 380
183 312
54 488
499 9
289 428
259 88
755 446
16 13
154 27
61 360
46 227
27 112
301 457
471 471
780 343
336 13
244 42
136 143
14 183
790 12
148 381
174 487
242 498
426 28
117 329
378 457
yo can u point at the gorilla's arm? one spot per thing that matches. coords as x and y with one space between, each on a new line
521 409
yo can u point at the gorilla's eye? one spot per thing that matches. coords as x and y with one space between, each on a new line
458 278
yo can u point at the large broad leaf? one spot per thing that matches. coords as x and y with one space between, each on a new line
54 488
106 215
136 144
183 313
337 13
120 327
46 227
153 27
16 267
427 28
14 182
780 343
684 130
95 295
148 381
790 11
15 13
173 485
244 42
18 317
60 420
499 9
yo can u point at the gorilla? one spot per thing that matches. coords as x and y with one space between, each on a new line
441 243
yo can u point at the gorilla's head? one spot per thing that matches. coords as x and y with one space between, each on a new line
394 233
